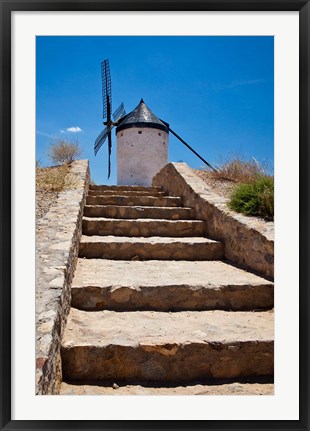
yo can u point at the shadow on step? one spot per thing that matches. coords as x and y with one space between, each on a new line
153 384
244 268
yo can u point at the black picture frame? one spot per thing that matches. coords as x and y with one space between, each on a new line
7 7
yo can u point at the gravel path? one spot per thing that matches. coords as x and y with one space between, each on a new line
223 188
44 200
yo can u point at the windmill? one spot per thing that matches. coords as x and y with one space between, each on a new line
107 109
140 117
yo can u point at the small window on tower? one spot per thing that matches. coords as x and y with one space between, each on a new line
159 134
139 132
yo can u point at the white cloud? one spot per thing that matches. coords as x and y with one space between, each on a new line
74 129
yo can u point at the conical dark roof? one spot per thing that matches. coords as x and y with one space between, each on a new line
142 116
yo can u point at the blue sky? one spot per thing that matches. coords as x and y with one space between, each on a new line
215 92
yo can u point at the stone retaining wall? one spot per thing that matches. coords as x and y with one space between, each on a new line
248 241
57 240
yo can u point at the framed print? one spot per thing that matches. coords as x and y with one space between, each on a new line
232 74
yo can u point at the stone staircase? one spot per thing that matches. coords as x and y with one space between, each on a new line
154 305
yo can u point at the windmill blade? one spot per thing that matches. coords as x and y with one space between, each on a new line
102 137
109 154
119 113
106 89
107 109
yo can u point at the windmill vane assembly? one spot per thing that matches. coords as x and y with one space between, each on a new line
120 117
107 108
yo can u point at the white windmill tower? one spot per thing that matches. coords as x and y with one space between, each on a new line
142 146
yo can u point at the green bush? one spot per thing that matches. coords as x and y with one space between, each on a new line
254 199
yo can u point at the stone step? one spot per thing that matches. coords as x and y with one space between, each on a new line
142 227
235 388
150 346
159 248
124 188
161 201
125 193
167 286
128 212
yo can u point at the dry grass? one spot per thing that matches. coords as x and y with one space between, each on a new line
54 178
51 179
49 183
239 170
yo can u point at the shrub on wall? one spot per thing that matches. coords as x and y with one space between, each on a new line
254 199
63 152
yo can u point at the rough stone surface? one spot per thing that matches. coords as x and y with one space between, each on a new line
162 248
44 200
142 227
57 238
149 346
166 201
199 389
126 212
167 285
248 241
158 308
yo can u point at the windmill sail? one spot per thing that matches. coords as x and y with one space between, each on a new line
119 113
107 109
109 152
106 89
102 137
